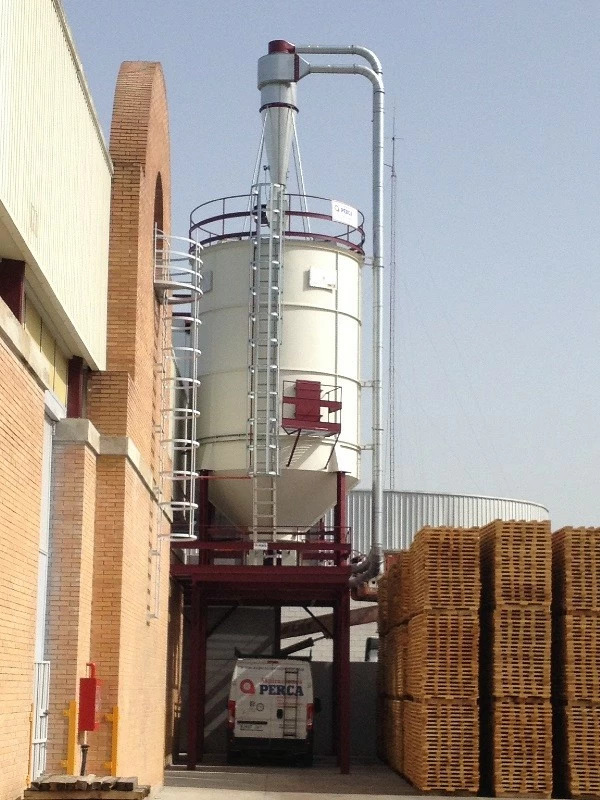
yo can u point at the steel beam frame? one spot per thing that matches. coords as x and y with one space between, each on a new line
214 584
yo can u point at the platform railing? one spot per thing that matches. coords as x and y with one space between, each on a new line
307 217
292 547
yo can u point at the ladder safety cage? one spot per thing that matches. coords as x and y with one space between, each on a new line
178 286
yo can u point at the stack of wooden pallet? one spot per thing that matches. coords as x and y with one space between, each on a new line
393 615
382 629
576 661
441 731
516 715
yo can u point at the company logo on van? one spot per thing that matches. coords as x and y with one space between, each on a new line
247 686
281 689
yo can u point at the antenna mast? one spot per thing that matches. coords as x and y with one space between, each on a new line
392 313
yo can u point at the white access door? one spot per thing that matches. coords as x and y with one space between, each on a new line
41 700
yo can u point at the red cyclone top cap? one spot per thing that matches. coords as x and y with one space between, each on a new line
281 46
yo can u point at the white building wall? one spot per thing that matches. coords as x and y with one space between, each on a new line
55 173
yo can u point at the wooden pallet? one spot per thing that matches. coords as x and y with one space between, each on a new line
399 591
576 657
444 570
516 563
382 664
383 623
443 656
441 746
576 570
394 734
516 748
395 662
577 749
516 652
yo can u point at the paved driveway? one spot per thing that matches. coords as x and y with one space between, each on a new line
216 781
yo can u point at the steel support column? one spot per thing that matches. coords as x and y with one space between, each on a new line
335 682
197 679
340 513
203 513
342 683
276 647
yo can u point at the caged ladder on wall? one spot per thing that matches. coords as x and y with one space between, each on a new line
178 287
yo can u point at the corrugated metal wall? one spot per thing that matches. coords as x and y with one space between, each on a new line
406 512
55 173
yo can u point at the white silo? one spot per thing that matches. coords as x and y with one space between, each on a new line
320 346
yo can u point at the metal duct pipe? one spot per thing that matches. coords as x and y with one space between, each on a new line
373 565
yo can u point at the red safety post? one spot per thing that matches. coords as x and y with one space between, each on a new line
89 710
89 701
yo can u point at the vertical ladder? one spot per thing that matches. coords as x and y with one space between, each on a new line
290 702
264 335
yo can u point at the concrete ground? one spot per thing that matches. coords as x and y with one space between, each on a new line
217 781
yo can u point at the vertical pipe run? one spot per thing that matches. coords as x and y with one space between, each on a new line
375 75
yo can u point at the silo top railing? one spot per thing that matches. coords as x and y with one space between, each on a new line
230 218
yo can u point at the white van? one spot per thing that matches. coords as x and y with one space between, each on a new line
271 708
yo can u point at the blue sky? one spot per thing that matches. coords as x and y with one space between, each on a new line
498 224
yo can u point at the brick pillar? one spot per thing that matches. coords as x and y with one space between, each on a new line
129 639
70 587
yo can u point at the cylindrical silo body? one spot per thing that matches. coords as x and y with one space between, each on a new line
320 342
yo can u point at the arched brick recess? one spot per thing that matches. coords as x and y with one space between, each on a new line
139 147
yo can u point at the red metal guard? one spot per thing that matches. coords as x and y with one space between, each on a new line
309 400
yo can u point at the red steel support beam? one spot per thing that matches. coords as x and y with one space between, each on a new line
202 634
204 513
335 682
76 390
340 512
12 286
197 680
342 671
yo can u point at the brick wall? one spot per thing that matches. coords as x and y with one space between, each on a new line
103 573
21 444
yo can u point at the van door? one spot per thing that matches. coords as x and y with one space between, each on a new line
253 711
